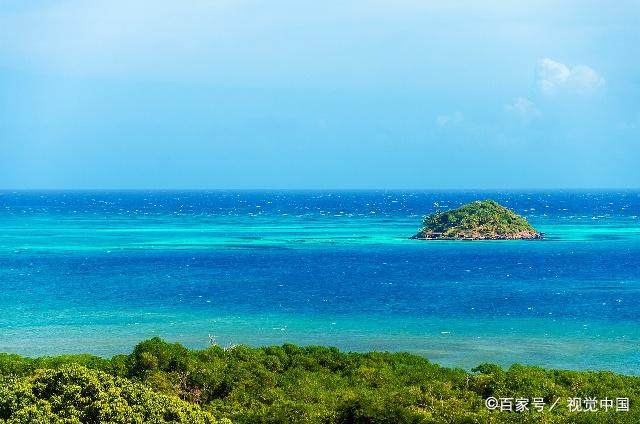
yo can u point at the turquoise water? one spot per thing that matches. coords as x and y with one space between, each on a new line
99 271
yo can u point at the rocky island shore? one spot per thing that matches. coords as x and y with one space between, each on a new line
479 220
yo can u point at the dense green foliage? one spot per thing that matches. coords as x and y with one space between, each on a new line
75 394
476 219
290 384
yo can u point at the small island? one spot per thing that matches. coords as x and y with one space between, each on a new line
479 220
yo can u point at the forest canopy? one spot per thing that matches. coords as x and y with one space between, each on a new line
166 382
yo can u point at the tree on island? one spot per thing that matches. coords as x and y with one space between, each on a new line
479 220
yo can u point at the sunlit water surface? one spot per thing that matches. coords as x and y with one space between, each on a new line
99 271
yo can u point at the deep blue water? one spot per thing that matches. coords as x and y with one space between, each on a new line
99 271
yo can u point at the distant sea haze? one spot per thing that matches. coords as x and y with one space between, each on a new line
98 271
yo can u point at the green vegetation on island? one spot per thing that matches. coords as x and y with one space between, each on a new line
479 220
163 382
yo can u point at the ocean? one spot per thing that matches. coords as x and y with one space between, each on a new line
99 271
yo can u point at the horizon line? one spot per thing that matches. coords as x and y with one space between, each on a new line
266 189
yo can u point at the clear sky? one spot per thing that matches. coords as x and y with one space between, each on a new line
319 94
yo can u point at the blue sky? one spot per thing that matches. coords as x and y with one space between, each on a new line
335 94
